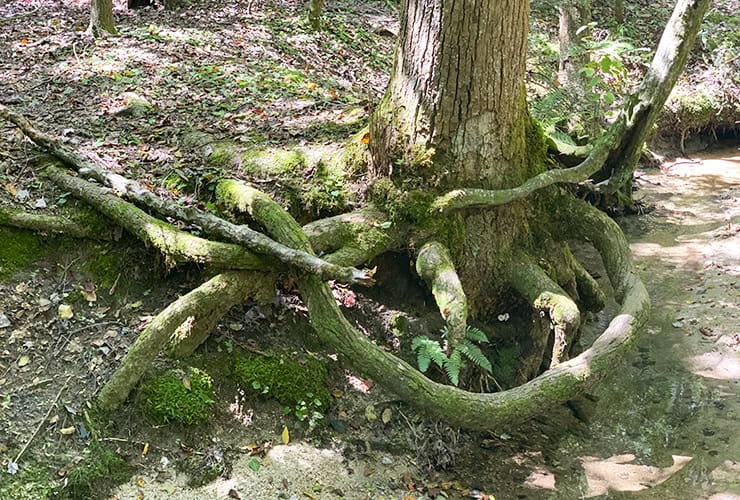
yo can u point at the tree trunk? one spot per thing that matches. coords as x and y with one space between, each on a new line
645 106
455 115
572 15
101 18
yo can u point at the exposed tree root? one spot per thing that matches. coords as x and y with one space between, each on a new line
590 295
89 164
183 314
616 156
474 410
434 265
176 245
74 223
258 286
546 296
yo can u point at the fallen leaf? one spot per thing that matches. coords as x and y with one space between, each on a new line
285 436
145 450
365 138
67 431
65 311
140 482
386 415
370 414
254 464
23 361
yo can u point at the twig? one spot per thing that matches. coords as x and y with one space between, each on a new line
38 427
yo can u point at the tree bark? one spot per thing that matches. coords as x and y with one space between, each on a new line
101 18
455 115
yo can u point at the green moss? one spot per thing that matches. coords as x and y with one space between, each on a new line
287 381
536 148
100 470
355 156
18 249
179 396
692 108
32 482
105 268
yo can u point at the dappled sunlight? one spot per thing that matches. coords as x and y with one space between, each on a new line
540 477
618 474
716 365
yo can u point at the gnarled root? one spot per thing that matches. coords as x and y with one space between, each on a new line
549 298
434 265
258 286
184 315
176 245
590 295
74 223
466 409
90 164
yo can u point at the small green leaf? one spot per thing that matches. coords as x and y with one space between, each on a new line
254 464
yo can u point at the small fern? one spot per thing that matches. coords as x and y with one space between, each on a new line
428 351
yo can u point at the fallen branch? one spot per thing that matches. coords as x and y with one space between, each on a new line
90 164
176 245
466 409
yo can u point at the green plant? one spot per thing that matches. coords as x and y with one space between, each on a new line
100 470
307 410
428 351
179 396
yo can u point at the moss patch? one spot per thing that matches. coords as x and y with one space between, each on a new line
105 267
18 249
32 482
287 381
184 397
100 470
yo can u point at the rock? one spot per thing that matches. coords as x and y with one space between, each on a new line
134 105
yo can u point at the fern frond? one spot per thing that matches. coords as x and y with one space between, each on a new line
453 366
476 335
474 354
428 350
419 341
423 360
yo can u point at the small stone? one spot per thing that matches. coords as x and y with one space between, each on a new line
134 105
4 321
386 460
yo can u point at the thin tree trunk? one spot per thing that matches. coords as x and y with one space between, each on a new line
101 18
646 105
573 14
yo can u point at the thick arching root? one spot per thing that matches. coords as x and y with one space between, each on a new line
590 295
466 409
546 296
181 315
258 286
434 264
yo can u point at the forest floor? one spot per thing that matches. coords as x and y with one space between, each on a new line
265 79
